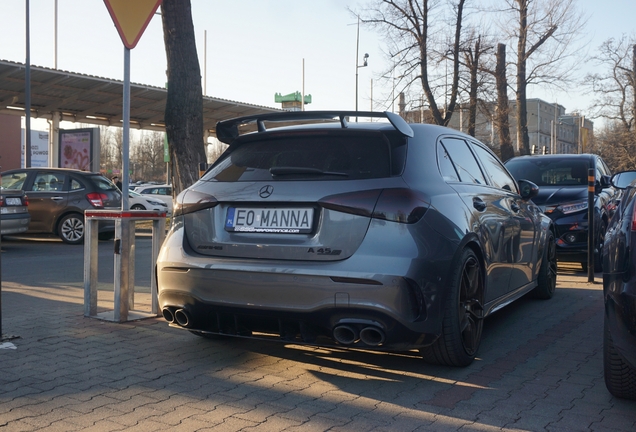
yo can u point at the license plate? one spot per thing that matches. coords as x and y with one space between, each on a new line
13 201
270 220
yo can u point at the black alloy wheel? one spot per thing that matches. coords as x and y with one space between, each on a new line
463 316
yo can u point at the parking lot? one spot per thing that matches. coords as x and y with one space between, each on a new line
539 367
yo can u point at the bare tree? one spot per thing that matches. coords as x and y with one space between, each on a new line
147 157
184 106
419 40
614 86
111 144
544 36
617 145
614 91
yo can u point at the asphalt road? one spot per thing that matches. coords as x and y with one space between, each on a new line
539 366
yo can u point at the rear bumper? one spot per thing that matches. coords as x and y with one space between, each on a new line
14 224
304 301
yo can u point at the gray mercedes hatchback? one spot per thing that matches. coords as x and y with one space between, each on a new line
378 235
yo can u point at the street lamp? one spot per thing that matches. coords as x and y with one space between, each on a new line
364 62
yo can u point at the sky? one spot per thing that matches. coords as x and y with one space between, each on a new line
251 49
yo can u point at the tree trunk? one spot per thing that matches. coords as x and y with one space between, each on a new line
501 122
523 139
184 106
472 107
633 75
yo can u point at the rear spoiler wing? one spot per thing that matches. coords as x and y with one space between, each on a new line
228 130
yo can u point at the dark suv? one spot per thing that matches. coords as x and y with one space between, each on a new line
59 196
563 196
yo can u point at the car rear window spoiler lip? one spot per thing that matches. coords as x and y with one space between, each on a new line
228 130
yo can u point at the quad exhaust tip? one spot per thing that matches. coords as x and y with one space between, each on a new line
345 335
348 335
182 317
178 316
372 336
168 315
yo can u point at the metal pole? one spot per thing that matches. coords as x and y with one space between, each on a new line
55 42
357 51
126 132
205 62
302 96
590 224
27 94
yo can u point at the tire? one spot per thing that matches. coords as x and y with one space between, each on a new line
598 248
138 207
620 377
463 316
546 281
71 229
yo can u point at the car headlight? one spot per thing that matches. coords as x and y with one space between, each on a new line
572 208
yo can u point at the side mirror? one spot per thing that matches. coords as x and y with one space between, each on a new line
606 181
623 179
527 189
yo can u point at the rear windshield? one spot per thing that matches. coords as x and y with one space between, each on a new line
324 156
102 183
555 172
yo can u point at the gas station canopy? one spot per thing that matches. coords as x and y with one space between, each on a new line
89 99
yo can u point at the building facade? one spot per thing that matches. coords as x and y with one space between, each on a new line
550 128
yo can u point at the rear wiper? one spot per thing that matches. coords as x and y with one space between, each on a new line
277 171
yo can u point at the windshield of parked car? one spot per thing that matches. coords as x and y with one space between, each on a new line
553 172
313 156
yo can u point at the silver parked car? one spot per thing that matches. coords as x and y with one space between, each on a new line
380 235
14 211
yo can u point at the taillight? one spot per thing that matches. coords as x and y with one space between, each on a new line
357 203
401 205
25 200
634 216
97 199
397 205
190 201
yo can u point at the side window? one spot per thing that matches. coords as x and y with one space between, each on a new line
14 181
495 170
464 161
446 167
75 184
601 168
48 182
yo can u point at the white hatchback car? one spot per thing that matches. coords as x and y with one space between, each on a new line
161 192
138 201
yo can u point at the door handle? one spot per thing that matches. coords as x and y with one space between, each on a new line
479 204
57 198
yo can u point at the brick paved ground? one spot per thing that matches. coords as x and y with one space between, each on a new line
540 368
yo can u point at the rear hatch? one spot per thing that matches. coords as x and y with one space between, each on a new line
296 195
106 195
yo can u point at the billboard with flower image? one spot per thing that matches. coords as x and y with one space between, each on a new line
76 149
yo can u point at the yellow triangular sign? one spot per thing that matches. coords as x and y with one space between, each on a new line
131 18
